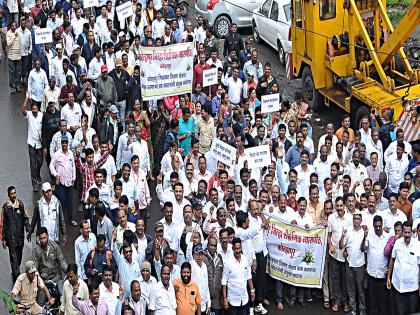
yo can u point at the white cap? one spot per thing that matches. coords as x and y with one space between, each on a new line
46 186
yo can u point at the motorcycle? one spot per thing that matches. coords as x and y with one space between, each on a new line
55 290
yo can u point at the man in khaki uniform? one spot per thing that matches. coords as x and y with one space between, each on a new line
26 288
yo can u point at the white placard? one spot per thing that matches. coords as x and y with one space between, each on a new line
223 152
209 77
166 70
43 35
124 11
90 3
270 103
258 156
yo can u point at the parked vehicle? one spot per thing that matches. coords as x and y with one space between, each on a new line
222 13
271 23
183 4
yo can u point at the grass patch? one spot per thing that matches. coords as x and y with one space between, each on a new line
395 16
398 3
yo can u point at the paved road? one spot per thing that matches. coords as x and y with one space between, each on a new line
14 167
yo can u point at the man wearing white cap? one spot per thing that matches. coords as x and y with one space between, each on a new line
49 213
26 288
81 61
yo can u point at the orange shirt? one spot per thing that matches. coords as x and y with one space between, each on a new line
339 132
405 207
188 297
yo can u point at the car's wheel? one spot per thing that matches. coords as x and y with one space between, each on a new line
221 26
358 111
282 54
311 94
255 33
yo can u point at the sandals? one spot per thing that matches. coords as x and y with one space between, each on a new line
335 308
346 308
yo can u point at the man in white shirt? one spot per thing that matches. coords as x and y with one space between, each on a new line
147 281
396 166
237 277
71 113
234 84
352 240
37 82
393 146
393 214
337 222
202 172
158 26
162 297
302 218
169 226
36 158
403 271
357 172
329 128
375 145
200 276
304 171
322 164
365 131
96 64
78 22
377 262
109 290
177 199
370 212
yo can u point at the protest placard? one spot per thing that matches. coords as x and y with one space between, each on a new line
124 11
90 3
223 152
166 70
43 35
258 156
270 103
209 77
296 255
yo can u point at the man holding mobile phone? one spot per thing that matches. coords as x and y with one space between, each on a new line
188 298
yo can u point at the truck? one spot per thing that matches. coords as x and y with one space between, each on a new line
349 55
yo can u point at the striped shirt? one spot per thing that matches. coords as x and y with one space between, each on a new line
87 172
13 45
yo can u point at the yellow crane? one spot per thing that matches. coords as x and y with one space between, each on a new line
349 55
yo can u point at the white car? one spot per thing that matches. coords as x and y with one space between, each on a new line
271 23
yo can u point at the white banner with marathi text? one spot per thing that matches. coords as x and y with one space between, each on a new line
166 70
296 255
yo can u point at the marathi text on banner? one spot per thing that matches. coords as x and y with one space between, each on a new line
43 35
258 156
124 11
223 152
296 255
166 70
90 3
270 103
210 77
